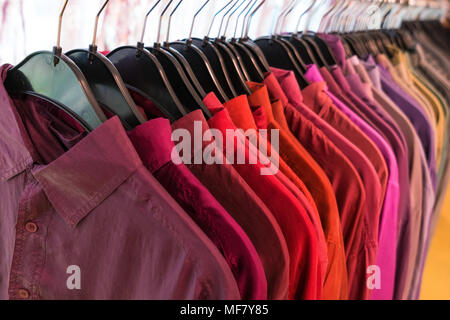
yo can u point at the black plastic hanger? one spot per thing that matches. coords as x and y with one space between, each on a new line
237 72
299 48
144 74
174 70
53 77
106 82
280 56
260 59
204 70
213 56
245 56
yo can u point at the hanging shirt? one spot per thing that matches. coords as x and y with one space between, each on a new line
365 255
409 226
336 283
246 208
304 274
98 192
241 115
387 244
296 156
154 145
413 110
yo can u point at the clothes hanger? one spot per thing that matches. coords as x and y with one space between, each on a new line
106 82
280 56
204 69
244 55
144 74
215 58
279 34
354 46
352 28
174 70
249 44
317 46
187 67
53 77
298 43
256 74
238 75
324 28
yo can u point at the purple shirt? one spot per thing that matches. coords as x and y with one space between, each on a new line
153 142
97 213
416 115
387 239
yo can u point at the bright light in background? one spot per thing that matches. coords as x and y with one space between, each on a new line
27 26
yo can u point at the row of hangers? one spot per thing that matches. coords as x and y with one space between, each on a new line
82 80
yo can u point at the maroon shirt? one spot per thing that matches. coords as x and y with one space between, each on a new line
153 142
95 207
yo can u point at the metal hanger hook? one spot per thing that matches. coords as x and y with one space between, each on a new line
145 21
215 16
244 23
223 18
302 15
283 23
249 22
158 38
229 17
279 19
239 17
61 14
292 6
94 40
169 22
189 40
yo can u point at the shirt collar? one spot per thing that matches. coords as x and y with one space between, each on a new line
79 180
312 74
340 78
315 95
275 90
278 112
361 89
239 110
336 46
17 152
83 177
260 97
331 83
193 122
153 142
290 86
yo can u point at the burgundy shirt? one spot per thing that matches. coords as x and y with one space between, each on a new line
94 214
153 142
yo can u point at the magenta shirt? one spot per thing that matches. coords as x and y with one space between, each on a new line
387 238
153 142
94 214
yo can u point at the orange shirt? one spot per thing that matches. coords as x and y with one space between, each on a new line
307 169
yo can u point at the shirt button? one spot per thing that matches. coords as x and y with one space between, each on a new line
31 227
24 293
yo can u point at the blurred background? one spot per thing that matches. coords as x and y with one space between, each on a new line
30 25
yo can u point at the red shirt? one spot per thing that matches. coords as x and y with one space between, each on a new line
247 209
241 115
305 272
